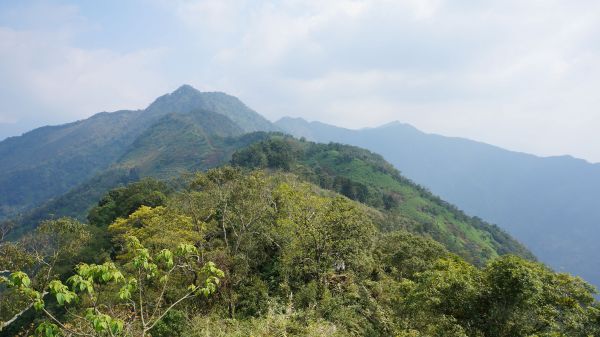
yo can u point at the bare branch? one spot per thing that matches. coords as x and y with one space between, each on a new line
188 295
5 228
63 326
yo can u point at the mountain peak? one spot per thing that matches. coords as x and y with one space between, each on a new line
187 98
392 123
182 100
396 124
186 89
288 119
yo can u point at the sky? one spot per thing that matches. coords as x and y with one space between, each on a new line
520 74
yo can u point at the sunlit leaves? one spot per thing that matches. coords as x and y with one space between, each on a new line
104 323
104 273
305 253
212 276
156 228
93 280
186 249
61 292
38 304
46 329
329 234
80 284
21 282
126 290
19 279
166 256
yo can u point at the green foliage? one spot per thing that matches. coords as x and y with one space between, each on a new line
330 240
294 260
156 228
44 254
510 297
405 254
173 324
94 285
549 204
526 298
121 202
320 256
93 193
366 177
47 330
58 171
330 235
253 299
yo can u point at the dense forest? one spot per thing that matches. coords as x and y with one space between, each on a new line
237 251
199 219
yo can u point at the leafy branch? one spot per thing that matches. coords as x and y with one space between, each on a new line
135 315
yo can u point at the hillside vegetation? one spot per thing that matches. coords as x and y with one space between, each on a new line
259 253
366 177
179 146
549 204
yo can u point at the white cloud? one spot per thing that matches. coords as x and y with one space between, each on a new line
520 74
497 71
47 79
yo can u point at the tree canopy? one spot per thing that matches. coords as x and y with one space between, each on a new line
250 252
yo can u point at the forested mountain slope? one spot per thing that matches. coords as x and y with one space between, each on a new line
237 252
353 172
165 145
177 145
49 161
180 142
366 177
295 238
549 204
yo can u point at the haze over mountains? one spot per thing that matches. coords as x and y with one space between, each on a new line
550 204
547 203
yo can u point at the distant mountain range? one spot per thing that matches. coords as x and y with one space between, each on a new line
551 204
547 203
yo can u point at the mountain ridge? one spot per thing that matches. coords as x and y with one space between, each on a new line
368 178
38 165
546 202
286 120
